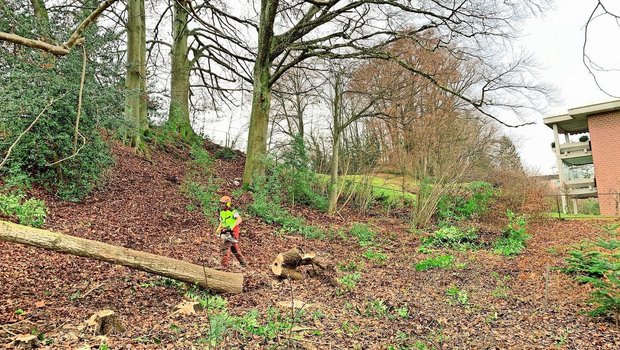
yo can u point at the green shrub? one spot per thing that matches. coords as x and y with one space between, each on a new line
363 234
31 212
513 240
30 79
451 237
472 202
598 263
438 262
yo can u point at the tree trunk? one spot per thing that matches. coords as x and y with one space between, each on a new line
217 281
144 122
333 181
178 115
135 100
261 98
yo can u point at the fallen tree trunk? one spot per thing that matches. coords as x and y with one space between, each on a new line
217 281
286 263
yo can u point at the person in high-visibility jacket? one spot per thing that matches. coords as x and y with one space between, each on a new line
228 231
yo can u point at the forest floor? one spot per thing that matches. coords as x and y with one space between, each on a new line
485 301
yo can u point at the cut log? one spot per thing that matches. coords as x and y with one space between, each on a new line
286 263
286 272
217 281
105 322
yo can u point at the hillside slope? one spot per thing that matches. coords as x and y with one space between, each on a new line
392 304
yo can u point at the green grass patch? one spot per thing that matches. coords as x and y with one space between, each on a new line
438 262
375 255
579 216
383 187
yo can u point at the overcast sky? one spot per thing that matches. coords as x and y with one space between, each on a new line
556 40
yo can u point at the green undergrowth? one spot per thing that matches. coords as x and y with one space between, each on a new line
471 201
597 263
438 262
200 186
29 212
513 240
451 237
252 326
363 233
290 182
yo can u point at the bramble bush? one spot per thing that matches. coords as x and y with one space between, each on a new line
520 193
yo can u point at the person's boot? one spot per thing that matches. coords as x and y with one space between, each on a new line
235 250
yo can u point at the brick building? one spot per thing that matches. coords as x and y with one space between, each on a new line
588 154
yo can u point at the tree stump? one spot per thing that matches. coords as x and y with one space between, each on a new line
25 341
285 265
105 322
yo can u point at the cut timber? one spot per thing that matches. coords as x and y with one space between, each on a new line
217 281
286 263
105 322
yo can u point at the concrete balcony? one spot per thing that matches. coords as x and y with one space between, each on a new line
575 148
581 188
576 153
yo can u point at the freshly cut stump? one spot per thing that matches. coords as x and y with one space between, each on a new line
285 265
25 341
105 322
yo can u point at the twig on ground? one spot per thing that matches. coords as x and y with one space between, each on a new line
91 290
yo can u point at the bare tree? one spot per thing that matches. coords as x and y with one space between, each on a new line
600 11
347 106
290 32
